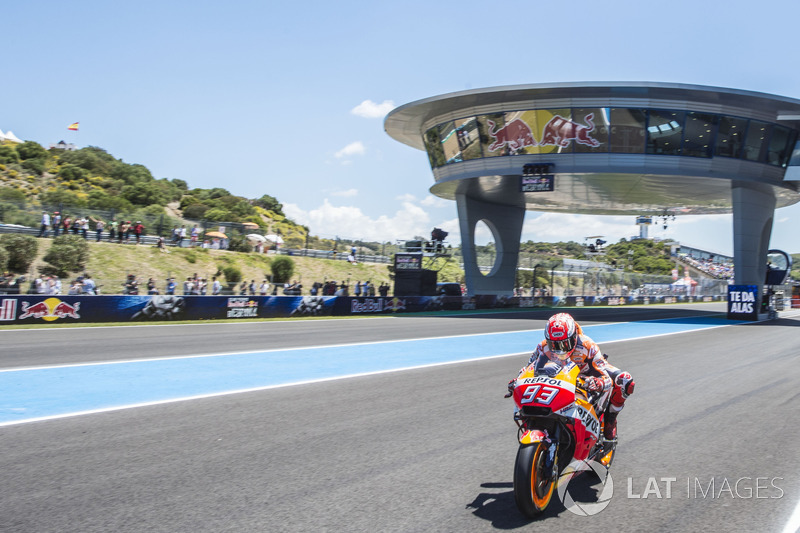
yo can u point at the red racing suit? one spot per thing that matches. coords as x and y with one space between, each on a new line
590 360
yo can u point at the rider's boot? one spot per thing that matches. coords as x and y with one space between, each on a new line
610 425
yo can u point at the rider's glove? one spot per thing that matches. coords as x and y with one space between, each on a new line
511 385
551 369
593 384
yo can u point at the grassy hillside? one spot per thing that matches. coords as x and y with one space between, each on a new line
109 265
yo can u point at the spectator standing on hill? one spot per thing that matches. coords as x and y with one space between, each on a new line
123 231
243 289
252 287
45 224
188 287
85 227
89 286
170 286
194 235
181 236
112 229
216 286
66 223
151 286
98 226
138 230
263 289
132 285
357 289
56 223
128 232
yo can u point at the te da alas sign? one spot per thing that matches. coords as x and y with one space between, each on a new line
742 302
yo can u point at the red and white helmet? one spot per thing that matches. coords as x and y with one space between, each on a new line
561 334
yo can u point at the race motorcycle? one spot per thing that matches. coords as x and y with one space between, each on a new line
558 424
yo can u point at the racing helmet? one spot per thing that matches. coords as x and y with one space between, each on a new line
561 334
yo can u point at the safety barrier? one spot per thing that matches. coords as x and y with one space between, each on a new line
33 309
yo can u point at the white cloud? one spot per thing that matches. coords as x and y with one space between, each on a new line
354 148
369 109
346 194
350 222
435 201
406 198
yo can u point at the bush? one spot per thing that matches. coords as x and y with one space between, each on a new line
232 274
69 253
238 243
282 269
21 251
3 259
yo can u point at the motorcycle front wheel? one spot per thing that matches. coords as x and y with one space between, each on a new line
534 483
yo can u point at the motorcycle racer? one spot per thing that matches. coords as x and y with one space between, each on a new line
564 340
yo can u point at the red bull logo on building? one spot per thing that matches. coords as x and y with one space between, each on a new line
516 134
560 131
49 310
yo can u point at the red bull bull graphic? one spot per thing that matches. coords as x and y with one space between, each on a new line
560 132
395 304
516 134
49 310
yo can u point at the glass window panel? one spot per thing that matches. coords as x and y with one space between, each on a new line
449 142
468 138
730 137
557 131
779 146
698 137
487 126
795 159
755 145
664 132
433 146
591 129
626 135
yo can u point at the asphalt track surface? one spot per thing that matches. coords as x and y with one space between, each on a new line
714 420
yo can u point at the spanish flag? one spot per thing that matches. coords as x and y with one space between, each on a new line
73 126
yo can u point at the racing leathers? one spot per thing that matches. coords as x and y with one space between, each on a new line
597 371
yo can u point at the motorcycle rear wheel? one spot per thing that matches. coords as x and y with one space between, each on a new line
534 484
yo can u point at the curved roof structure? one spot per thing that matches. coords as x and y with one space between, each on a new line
611 147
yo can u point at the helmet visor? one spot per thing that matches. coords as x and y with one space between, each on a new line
562 349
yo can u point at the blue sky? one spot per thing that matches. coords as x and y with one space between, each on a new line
288 98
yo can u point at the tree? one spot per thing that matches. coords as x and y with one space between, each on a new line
62 196
21 251
232 274
270 203
69 253
31 150
144 194
282 269
8 154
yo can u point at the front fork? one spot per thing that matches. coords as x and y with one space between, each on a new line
531 436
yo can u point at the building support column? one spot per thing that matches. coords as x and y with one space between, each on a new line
506 225
753 211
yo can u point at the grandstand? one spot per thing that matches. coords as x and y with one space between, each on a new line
713 264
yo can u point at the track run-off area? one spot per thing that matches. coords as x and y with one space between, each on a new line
387 424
